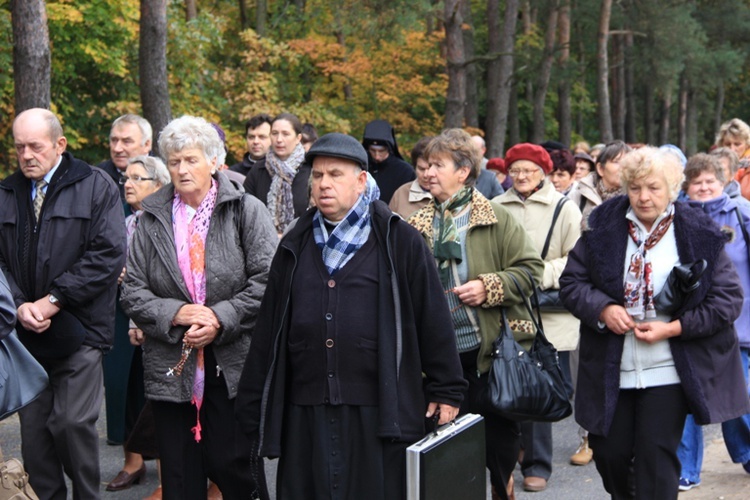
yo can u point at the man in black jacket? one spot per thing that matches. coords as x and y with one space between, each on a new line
258 140
62 247
332 383
129 137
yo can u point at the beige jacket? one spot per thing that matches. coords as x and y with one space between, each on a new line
535 214
408 199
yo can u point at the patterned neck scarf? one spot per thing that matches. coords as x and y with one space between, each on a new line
190 241
350 234
280 199
605 193
639 288
537 188
446 243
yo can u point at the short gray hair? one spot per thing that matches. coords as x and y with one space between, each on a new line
143 125
192 132
154 168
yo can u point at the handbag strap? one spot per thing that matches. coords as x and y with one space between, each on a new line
744 231
536 319
558 208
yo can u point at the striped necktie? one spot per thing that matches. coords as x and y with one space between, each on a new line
39 198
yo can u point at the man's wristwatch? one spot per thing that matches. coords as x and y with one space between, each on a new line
54 300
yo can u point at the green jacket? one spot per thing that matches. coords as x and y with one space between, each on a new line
497 246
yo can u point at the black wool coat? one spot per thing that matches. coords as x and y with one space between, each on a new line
706 354
415 336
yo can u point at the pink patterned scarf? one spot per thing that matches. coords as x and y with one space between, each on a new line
190 241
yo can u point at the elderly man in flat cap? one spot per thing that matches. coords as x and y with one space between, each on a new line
353 314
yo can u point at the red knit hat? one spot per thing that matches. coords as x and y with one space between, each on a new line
497 164
531 152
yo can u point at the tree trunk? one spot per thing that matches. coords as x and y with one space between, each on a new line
666 107
243 15
565 120
152 57
630 126
543 77
454 44
261 17
31 54
602 70
471 109
719 111
692 125
648 114
618 87
499 73
682 113
514 126
348 96
191 10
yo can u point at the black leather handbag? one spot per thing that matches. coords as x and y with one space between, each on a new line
526 385
681 282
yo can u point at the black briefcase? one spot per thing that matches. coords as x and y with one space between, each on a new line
449 463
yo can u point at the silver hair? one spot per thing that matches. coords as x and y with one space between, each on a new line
154 168
143 124
192 132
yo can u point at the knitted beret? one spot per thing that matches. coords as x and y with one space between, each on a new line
338 146
531 152
497 164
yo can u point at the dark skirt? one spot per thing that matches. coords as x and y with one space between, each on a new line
334 452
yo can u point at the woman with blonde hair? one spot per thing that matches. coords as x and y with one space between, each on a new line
646 362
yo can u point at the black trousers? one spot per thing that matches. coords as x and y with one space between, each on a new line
502 436
223 455
641 447
536 438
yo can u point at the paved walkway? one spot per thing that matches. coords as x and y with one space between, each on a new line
721 479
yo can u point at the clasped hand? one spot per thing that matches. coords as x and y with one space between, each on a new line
619 321
36 316
202 322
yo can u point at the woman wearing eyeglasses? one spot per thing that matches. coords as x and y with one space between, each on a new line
123 366
554 225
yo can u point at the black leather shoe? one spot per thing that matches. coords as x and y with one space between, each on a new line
123 480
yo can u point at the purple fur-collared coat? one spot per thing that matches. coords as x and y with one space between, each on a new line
706 355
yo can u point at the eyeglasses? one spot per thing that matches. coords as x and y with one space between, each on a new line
514 172
135 178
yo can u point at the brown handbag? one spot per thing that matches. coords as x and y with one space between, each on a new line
14 481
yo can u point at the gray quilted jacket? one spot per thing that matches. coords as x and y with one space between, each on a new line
240 244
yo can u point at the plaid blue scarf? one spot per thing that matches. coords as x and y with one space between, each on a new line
350 234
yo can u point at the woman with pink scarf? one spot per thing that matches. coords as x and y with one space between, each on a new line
197 271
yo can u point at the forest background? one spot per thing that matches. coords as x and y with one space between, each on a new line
646 71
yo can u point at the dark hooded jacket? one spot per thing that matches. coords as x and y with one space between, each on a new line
706 354
393 172
415 335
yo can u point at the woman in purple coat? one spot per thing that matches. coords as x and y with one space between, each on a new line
641 369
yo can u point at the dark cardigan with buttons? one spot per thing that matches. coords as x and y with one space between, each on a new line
706 354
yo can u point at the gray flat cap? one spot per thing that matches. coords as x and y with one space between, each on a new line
338 146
